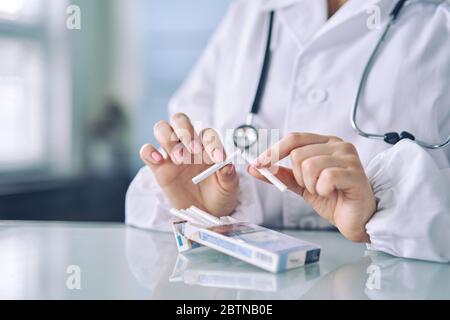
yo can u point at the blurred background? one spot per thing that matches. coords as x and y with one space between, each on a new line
81 85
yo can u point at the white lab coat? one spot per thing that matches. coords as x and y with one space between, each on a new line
316 68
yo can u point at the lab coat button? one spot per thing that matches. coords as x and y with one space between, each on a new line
317 96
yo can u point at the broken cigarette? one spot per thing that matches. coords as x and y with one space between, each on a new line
209 172
267 174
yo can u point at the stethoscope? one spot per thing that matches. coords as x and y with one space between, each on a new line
246 136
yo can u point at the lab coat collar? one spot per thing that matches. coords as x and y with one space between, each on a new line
351 9
356 5
355 8
271 5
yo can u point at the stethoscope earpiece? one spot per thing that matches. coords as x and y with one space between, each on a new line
394 138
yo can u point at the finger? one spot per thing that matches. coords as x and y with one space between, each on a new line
299 155
298 175
334 179
284 147
169 141
228 178
151 156
185 131
215 152
285 175
311 168
212 144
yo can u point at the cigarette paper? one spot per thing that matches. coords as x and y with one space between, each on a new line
274 180
267 174
198 219
183 216
204 216
197 216
212 170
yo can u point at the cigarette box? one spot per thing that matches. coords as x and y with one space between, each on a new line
267 249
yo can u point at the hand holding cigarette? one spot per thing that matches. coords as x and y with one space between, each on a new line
215 168
188 154
263 171
201 155
328 173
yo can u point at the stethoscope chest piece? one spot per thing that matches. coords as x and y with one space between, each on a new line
245 136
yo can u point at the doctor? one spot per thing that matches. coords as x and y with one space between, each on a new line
394 197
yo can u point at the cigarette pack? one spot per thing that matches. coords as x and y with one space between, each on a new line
267 249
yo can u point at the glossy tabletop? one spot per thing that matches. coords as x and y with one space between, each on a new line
113 261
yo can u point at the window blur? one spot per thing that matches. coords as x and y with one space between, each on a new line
77 104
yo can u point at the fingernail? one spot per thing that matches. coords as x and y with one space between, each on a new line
157 157
262 162
255 163
230 170
195 147
217 155
179 156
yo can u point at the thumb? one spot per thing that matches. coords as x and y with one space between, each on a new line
228 178
284 174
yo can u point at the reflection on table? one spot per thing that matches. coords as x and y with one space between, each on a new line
118 262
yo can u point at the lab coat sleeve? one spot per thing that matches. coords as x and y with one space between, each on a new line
413 194
146 206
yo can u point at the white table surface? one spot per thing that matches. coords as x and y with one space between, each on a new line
118 262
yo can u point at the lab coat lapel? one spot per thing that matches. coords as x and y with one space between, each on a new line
304 19
348 24
308 21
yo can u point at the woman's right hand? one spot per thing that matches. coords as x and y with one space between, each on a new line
189 154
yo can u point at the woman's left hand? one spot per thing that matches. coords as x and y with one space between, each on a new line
328 174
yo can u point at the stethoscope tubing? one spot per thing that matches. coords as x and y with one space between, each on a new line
362 85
